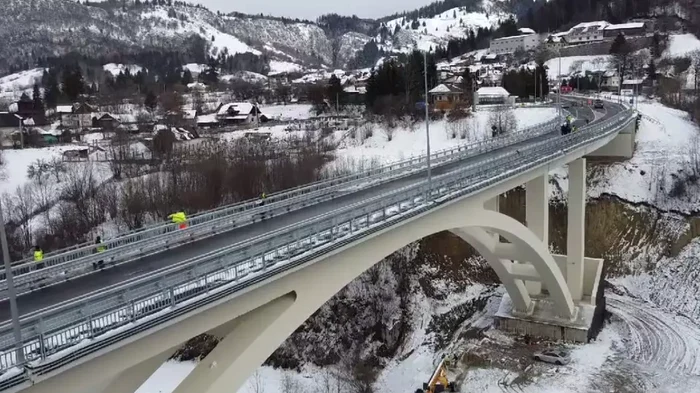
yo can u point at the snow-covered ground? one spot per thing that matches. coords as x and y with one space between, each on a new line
12 86
195 24
681 44
408 142
115 69
19 160
280 67
287 112
574 64
667 143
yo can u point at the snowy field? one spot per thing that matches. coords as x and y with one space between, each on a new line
19 160
408 142
287 112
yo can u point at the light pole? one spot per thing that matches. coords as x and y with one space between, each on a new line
14 312
427 120
560 86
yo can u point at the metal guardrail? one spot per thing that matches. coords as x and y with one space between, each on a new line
138 244
58 336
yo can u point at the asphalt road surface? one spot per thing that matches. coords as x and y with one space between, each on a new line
65 291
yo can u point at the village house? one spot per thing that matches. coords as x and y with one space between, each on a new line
610 81
556 41
76 117
106 122
444 97
9 123
587 32
239 113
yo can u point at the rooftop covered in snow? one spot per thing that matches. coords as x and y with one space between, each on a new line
445 89
492 92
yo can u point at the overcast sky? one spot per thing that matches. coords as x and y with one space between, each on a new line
311 9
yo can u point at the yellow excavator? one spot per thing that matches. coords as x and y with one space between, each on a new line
438 382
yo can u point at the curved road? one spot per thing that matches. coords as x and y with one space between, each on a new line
65 291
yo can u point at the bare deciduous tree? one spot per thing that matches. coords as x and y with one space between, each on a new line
38 171
502 121
289 384
23 208
257 383
56 167
389 132
3 166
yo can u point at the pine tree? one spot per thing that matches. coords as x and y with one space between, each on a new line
210 74
37 101
187 77
73 83
621 51
651 70
334 91
150 101
51 90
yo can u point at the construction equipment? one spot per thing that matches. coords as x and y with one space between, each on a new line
438 382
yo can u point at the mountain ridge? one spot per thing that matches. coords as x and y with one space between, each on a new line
35 29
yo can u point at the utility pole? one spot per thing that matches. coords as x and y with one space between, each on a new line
427 121
21 133
12 293
535 83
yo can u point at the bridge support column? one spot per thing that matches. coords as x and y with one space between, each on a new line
575 238
537 217
494 205
237 355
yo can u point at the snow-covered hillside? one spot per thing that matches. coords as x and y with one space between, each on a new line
59 27
12 86
437 30
681 44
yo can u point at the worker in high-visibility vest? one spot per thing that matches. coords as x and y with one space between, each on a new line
179 218
100 248
263 196
39 257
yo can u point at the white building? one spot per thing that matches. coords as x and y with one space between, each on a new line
493 95
587 32
507 45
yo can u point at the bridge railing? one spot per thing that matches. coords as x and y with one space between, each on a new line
59 267
58 336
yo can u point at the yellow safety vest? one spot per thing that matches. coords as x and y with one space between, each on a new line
263 196
101 248
38 256
178 218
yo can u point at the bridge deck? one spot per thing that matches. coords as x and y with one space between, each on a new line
45 298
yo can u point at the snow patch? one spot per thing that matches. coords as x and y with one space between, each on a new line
115 69
681 44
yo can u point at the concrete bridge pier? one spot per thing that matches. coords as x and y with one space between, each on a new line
582 274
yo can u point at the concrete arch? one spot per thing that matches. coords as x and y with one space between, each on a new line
315 284
255 321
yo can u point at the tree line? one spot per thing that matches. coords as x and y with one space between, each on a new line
398 84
